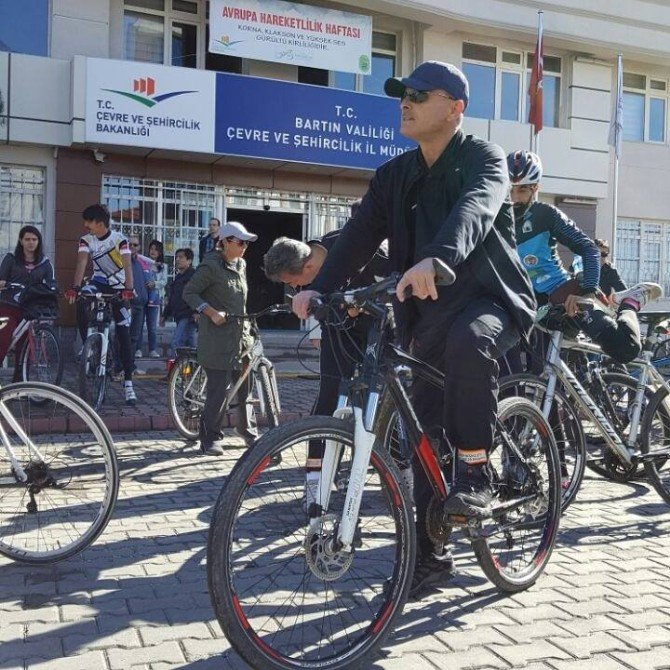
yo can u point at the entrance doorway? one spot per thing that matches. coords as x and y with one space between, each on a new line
263 292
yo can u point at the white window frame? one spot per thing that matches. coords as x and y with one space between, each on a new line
649 94
169 17
524 73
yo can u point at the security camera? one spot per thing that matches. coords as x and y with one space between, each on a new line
99 156
266 208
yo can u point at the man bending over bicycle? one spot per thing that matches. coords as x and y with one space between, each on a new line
539 227
447 200
109 253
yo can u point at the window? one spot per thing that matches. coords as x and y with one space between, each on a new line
499 83
382 67
24 27
644 108
643 252
21 203
162 31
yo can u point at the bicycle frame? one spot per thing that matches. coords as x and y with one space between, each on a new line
17 469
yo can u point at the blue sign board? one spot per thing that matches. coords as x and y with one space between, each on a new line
265 118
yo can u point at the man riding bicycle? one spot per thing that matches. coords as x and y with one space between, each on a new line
539 228
109 253
446 200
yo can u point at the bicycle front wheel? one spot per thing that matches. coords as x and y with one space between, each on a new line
41 359
515 546
655 442
71 474
92 378
187 383
285 596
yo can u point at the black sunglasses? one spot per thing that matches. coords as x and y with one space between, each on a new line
240 242
421 96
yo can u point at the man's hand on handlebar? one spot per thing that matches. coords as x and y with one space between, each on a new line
71 295
421 279
300 303
127 294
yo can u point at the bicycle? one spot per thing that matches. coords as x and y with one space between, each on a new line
323 589
59 477
187 381
619 409
95 364
34 341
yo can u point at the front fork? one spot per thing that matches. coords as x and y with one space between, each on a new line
364 439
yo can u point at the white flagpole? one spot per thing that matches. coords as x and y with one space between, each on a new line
618 129
540 50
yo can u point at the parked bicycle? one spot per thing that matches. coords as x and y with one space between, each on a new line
631 419
187 381
323 589
96 362
59 477
35 342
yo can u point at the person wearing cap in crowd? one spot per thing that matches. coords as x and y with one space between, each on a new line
610 279
447 199
217 288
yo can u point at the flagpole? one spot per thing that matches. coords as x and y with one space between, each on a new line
617 151
538 50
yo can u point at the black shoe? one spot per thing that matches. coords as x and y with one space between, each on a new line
471 496
431 571
210 449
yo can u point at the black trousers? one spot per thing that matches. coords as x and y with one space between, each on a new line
218 385
465 346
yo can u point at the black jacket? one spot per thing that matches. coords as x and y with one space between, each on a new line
13 271
464 198
207 243
610 279
176 307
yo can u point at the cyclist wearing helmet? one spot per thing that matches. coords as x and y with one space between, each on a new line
539 228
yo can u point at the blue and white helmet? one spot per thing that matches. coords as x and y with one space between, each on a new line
524 167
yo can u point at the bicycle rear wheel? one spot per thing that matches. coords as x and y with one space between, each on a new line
266 383
283 596
515 546
565 425
41 359
655 442
91 382
72 474
186 395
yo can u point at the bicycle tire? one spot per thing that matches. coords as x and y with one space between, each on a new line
247 500
185 414
74 486
565 425
661 357
533 526
656 437
92 385
46 365
268 391
611 467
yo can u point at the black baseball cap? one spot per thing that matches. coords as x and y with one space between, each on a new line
430 76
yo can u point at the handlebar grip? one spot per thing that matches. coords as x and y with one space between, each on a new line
444 275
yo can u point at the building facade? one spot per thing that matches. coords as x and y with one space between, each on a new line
273 144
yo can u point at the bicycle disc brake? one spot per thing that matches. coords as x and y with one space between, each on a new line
324 561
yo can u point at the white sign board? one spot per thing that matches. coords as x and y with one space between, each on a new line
147 105
288 32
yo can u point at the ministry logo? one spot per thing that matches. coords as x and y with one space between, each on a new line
143 92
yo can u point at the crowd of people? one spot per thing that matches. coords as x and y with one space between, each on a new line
455 198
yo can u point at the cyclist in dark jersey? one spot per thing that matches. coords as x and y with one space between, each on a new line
539 228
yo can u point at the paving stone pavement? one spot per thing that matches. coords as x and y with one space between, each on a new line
138 598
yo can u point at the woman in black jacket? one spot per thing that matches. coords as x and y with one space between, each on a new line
27 266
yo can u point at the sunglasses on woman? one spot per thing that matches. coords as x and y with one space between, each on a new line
244 243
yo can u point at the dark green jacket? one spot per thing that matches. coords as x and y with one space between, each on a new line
464 198
223 286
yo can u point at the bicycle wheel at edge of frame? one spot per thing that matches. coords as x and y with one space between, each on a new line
96 394
660 399
33 389
489 563
570 492
224 599
175 372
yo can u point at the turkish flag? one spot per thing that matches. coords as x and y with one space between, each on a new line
535 86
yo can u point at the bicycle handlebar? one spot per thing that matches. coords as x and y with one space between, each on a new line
279 308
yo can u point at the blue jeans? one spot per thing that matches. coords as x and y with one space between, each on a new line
137 326
184 335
